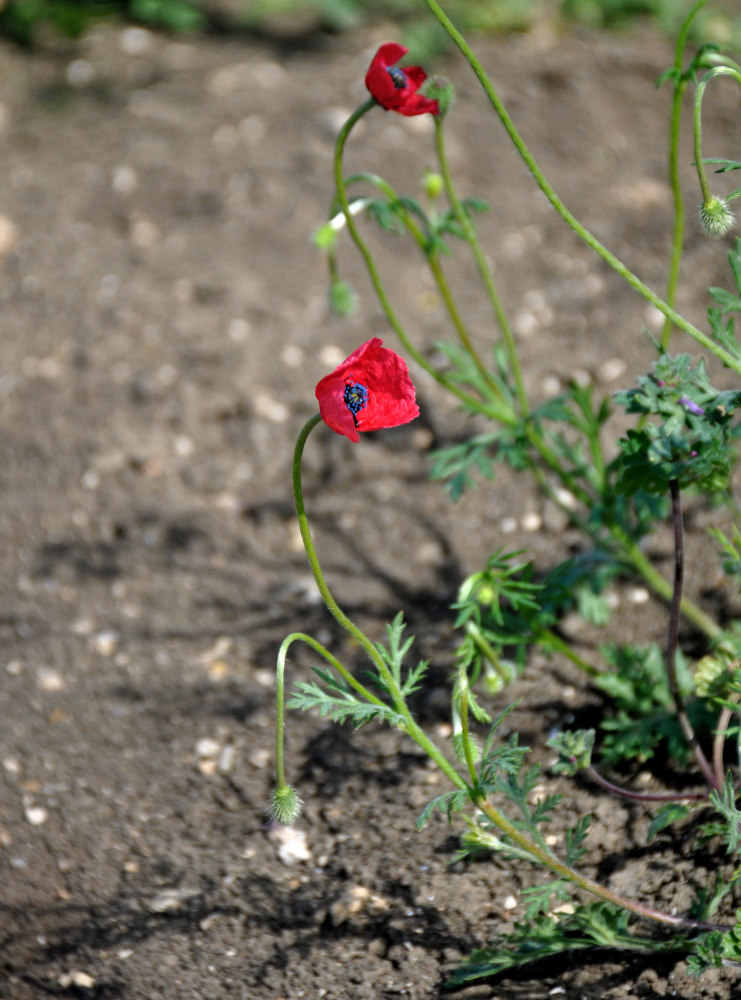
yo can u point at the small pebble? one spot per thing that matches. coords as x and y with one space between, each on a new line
49 680
135 41
612 369
106 643
9 235
207 747
76 979
125 180
292 845
36 815
79 73
532 521
638 595
170 900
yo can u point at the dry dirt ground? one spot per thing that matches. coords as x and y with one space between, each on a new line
164 323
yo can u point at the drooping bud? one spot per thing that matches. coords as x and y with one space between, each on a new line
716 218
439 89
433 184
711 676
286 805
342 298
458 741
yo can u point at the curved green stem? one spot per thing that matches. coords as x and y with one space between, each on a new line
707 194
472 239
370 264
535 850
410 726
280 709
546 859
680 85
582 232
446 294
463 717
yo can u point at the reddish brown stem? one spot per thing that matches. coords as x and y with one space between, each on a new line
626 793
673 640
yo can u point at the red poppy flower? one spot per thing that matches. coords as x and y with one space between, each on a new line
371 389
395 88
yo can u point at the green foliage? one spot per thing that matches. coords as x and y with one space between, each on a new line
574 749
666 816
689 442
595 925
644 716
715 950
722 328
336 699
724 802
21 20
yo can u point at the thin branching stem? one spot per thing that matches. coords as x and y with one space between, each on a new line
672 642
627 793
569 218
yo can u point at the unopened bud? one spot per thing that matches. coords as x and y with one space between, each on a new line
286 805
433 184
342 299
458 741
709 677
441 90
716 218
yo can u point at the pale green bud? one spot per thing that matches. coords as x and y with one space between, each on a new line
342 299
325 236
716 218
460 750
286 805
433 184
708 676
441 90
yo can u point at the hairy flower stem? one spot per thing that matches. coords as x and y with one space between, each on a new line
471 237
626 793
370 264
409 725
529 160
502 413
672 641
680 85
546 859
707 194
537 852
280 693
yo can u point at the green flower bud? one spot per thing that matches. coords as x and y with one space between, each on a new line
459 748
324 237
433 184
708 677
716 218
286 805
574 750
441 90
342 299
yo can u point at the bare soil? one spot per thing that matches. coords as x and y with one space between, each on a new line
164 323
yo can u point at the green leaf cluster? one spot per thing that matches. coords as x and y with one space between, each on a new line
688 439
644 716
336 699
594 925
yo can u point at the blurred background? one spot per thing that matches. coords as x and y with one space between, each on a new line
29 22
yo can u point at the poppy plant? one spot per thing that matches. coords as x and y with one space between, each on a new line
371 389
396 88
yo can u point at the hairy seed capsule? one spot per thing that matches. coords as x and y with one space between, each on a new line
716 218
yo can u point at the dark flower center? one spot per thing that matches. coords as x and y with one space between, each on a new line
356 397
398 76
